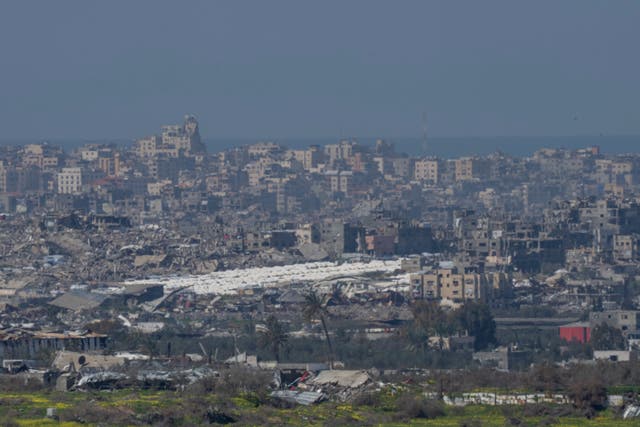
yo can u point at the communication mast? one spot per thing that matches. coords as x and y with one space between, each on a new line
425 145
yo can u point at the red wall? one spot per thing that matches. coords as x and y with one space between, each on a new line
581 334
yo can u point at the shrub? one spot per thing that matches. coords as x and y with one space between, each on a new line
217 416
281 403
410 406
92 413
589 397
238 380
548 410
20 383
9 419
372 400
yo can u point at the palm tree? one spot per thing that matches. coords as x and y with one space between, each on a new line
273 336
316 308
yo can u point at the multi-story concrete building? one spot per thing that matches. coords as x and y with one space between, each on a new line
185 137
449 283
147 147
469 168
625 320
625 247
454 285
340 151
109 162
175 140
426 170
69 181
263 149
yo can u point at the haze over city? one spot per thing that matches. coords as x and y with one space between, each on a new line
330 213
251 69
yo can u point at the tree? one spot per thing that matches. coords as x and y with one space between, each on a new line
589 396
545 377
429 319
477 320
316 308
606 337
147 342
273 336
417 337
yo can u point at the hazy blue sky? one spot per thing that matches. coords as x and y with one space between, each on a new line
83 69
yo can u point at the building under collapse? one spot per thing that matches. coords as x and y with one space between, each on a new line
19 343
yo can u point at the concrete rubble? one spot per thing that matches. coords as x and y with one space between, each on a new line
300 397
631 411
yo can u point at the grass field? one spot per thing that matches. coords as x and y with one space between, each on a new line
174 408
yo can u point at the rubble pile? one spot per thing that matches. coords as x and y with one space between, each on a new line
315 386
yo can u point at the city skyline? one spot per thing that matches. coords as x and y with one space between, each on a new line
326 213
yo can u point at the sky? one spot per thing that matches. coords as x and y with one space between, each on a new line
309 69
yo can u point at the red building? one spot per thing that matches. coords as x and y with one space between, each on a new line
580 332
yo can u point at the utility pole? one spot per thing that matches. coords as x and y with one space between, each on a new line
425 145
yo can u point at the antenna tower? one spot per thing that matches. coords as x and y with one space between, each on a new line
425 145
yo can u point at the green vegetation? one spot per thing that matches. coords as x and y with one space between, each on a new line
273 337
430 319
606 337
192 408
344 340
315 306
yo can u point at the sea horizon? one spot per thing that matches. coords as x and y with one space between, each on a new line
444 147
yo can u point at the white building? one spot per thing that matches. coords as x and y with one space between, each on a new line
70 181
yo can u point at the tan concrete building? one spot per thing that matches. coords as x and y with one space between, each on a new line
469 168
263 149
426 170
146 147
625 247
458 287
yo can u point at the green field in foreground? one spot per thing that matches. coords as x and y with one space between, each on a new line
174 408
